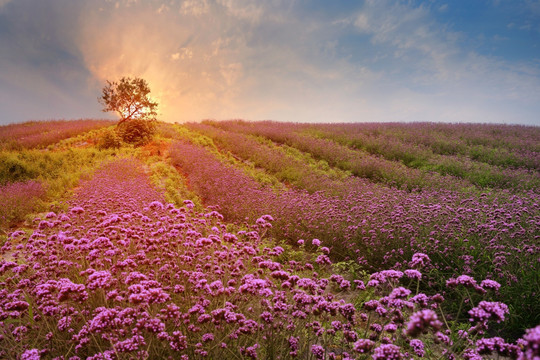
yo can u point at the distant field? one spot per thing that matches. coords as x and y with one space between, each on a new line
269 240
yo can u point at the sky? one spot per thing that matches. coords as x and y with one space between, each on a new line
283 60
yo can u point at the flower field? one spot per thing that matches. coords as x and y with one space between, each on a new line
264 240
38 134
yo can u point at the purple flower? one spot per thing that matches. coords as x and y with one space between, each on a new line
488 311
100 279
250 351
391 327
267 317
363 345
318 351
133 343
76 210
178 341
157 205
497 345
464 280
208 337
385 275
421 321
531 344
471 354
490 284
387 352
32 354
316 242
419 260
64 323
418 347
399 293
323 259
413 274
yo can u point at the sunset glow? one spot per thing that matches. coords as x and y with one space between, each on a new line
281 60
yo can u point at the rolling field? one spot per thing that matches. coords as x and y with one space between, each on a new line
244 240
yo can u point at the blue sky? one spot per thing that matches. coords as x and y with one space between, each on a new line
286 60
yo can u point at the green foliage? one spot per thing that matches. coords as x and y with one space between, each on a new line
109 140
166 178
136 131
129 98
13 168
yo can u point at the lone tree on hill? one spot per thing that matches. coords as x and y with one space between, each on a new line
130 99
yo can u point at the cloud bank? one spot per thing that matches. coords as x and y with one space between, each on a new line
277 59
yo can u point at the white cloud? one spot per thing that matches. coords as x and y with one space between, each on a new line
386 61
194 7
432 68
244 9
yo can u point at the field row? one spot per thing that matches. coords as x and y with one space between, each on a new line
122 274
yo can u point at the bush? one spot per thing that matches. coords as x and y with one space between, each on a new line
109 140
13 168
136 131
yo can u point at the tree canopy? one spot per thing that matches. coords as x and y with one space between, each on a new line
129 98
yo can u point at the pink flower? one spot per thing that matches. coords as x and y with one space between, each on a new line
413 274
318 351
100 279
419 260
387 352
32 354
363 346
487 310
421 321
490 284
208 337
531 343
178 341
418 347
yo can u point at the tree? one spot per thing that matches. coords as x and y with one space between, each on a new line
130 99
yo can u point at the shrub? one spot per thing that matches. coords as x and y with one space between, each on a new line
13 168
109 140
136 131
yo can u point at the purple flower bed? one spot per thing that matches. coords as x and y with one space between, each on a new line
436 155
493 236
360 163
123 275
36 134
18 199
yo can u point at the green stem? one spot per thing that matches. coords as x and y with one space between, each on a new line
367 326
444 318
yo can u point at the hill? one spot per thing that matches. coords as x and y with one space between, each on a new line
270 240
